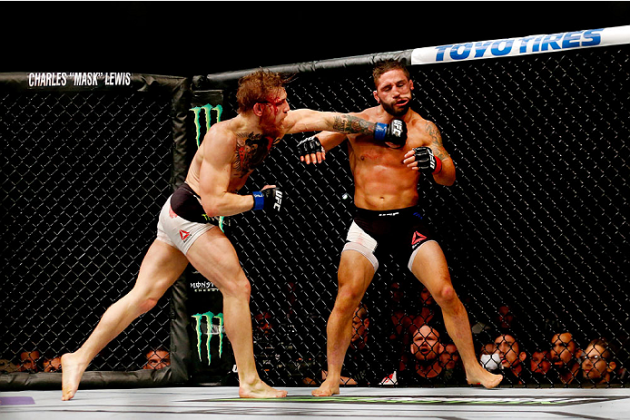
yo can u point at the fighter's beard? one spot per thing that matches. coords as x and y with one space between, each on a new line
269 127
394 112
272 130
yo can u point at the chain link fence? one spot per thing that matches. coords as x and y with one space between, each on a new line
535 229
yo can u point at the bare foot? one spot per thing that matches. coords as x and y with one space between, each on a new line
71 372
485 378
327 389
260 390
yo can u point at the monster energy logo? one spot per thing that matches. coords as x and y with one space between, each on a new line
207 110
213 329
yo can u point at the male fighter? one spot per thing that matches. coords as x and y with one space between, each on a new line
387 219
230 152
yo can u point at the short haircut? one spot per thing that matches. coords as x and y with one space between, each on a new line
256 87
382 67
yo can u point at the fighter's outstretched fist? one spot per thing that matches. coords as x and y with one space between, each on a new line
311 150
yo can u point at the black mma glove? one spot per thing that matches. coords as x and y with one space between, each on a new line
395 132
309 145
268 199
427 161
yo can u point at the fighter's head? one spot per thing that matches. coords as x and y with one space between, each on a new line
393 87
262 92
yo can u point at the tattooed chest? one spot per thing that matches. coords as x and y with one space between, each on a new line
251 151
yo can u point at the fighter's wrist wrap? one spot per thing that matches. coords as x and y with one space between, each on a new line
394 132
438 166
259 200
380 131
268 199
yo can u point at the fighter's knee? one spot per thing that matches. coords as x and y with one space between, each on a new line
239 288
348 299
445 296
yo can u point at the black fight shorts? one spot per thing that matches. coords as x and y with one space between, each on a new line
375 234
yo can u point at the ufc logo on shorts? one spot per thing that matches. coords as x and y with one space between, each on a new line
278 202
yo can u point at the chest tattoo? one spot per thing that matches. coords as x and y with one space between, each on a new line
251 150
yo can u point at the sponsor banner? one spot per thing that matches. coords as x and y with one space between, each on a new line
460 400
533 44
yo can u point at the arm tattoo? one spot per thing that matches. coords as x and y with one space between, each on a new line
352 125
436 142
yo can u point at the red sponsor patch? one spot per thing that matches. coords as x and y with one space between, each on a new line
417 237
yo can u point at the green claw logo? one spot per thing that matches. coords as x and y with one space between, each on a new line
213 329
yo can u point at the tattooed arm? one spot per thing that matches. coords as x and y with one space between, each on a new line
447 175
305 120
334 127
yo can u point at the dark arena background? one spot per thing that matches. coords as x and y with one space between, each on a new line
535 228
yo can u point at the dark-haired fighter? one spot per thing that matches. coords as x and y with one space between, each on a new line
230 152
388 219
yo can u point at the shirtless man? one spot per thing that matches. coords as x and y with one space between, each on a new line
387 219
230 152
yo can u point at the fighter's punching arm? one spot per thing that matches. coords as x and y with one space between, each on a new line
433 160
305 120
217 172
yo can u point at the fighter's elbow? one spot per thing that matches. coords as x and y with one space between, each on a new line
212 211
212 208
449 175
448 182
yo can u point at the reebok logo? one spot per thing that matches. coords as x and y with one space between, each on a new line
183 234
417 238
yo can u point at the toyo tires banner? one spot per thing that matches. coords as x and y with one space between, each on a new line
533 44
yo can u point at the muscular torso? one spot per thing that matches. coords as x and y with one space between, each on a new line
382 180
250 151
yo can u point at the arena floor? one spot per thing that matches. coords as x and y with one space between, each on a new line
357 403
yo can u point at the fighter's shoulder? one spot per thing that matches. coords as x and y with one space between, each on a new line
421 131
223 131
221 139
373 114
417 122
